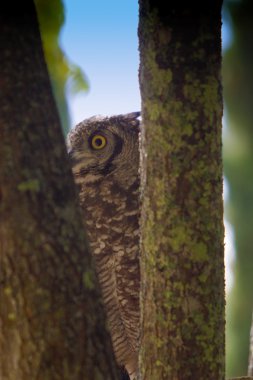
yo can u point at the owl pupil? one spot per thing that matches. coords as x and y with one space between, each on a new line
99 142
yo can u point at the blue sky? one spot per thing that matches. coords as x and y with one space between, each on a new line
101 37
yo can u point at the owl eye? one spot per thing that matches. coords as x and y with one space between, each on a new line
98 142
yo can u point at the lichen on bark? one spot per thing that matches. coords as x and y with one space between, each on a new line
182 218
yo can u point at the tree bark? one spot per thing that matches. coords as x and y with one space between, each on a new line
182 217
52 324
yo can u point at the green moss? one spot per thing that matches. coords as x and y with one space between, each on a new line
12 317
178 237
30 185
188 129
8 291
158 363
160 78
210 98
89 280
200 252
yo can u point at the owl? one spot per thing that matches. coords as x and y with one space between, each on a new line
104 153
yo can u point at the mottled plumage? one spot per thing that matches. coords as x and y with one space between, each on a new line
105 161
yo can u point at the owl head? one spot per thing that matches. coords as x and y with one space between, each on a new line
105 147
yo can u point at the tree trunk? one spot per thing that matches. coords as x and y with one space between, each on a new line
182 217
52 322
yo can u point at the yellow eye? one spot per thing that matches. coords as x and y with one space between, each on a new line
98 142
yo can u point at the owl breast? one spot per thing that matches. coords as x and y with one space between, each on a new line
113 232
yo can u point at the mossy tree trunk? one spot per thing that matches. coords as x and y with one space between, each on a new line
182 216
51 318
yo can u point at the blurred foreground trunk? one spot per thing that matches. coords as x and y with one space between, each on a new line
52 323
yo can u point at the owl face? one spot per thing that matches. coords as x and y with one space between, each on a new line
105 147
